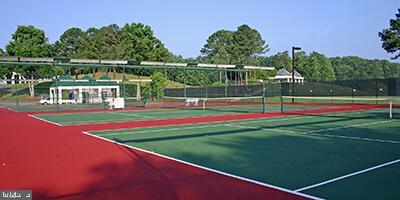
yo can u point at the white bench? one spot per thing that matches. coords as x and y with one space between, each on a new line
191 101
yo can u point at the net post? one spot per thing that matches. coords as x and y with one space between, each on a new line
204 104
390 109
281 98
263 98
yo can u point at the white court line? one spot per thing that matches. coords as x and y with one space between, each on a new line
89 122
347 176
198 127
86 122
208 169
8 109
234 122
314 132
33 116
349 126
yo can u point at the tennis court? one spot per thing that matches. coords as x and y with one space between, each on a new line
344 155
317 147
164 113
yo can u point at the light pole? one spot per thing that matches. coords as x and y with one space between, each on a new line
293 49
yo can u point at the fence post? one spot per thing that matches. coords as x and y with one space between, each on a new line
376 90
16 92
57 99
226 83
184 83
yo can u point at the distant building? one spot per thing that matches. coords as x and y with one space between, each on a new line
86 90
13 78
283 76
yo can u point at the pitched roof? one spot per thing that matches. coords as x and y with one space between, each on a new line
284 72
105 77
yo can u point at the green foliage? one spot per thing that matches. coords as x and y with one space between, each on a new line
28 41
265 75
235 47
252 81
313 67
155 88
243 46
100 43
137 41
216 84
70 43
351 67
391 37
320 67
279 61
219 46
5 70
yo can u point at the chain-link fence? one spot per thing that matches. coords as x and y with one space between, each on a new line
83 92
345 88
340 88
67 93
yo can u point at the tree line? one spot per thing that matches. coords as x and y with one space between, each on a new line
243 46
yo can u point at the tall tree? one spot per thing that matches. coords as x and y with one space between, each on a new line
219 47
319 68
248 45
29 41
70 43
4 70
235 47
137 41
391 37
101 43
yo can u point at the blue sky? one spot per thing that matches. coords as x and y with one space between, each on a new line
331 27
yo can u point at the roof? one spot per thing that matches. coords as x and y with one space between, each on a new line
284 72
105 77
87 77
65 77
84 83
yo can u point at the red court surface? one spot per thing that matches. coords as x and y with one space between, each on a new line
63 163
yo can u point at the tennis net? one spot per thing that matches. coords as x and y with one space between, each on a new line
252 104
388 108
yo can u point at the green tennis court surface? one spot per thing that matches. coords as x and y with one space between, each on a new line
309 153
135 115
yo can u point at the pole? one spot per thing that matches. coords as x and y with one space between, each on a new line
57 99
263 98
123 81
292 74
226 83
184 83
206 84
16 92
376 90
390 110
